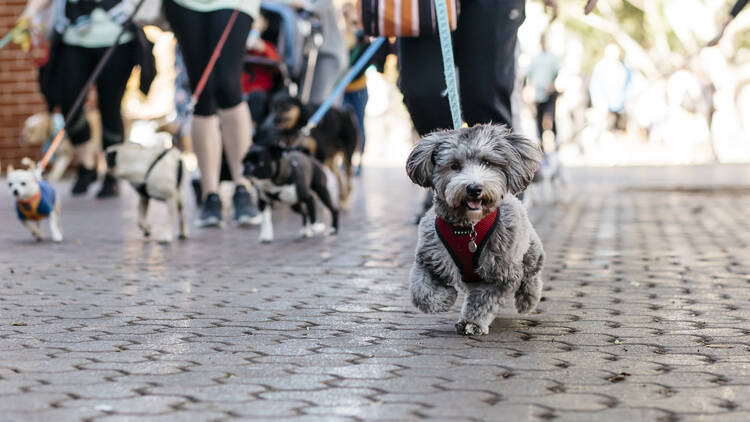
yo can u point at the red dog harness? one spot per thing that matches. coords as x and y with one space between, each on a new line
465 244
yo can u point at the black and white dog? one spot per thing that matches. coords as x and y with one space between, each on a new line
290 177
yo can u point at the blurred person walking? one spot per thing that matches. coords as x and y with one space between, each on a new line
610 86
221 117
83 31
355 95
541 74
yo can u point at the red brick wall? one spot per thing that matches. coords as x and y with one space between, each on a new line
19 95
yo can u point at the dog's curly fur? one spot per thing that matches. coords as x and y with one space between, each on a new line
502 164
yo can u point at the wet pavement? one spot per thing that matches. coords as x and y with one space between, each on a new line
645 315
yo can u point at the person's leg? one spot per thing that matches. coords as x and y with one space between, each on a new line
234 114
76 65
191 29
236 126
540 119
110 87
421 81
484 46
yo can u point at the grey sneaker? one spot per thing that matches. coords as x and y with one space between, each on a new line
245 210
210 214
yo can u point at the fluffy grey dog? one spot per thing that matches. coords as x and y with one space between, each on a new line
477 237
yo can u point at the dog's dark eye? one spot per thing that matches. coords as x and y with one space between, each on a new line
486 163
455 166
23 183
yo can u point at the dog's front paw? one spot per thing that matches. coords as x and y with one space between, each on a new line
166 239
434 300
57 238
468 328
526 302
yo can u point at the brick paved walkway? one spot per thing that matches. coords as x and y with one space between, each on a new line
645 315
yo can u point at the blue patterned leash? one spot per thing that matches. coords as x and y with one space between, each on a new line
353 71
449 67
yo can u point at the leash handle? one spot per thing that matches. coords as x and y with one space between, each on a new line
87 87
212 62
20 26
449 67
353 71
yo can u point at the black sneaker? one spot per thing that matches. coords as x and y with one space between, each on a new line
245 210
84 178
109 188
210 214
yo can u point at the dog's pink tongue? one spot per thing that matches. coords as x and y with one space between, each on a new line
474 205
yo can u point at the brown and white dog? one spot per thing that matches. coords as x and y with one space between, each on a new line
333 141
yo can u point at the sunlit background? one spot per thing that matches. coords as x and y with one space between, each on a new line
682 102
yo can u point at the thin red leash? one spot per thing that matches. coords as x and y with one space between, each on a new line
212 62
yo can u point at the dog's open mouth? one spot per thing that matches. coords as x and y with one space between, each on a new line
474 205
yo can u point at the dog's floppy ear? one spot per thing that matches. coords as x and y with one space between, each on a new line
421 161
524 158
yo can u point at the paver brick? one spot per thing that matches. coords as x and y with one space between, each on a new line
644 315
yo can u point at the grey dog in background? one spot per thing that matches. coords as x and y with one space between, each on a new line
473 172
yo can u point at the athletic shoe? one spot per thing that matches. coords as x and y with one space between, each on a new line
84 178
245 210
210 214
109 189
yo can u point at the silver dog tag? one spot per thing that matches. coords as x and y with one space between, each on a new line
472 246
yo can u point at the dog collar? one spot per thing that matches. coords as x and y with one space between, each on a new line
465 244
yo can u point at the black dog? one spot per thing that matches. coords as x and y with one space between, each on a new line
290 177
335 136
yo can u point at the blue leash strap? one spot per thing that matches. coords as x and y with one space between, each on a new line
339 89
449 67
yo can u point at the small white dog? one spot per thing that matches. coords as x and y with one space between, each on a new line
35 201
477 237
155 173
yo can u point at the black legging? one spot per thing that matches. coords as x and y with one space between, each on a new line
484 47
198 34
76 65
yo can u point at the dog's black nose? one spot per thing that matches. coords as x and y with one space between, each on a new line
474 190
15 192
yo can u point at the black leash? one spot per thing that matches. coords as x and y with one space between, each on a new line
87 87
141 189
